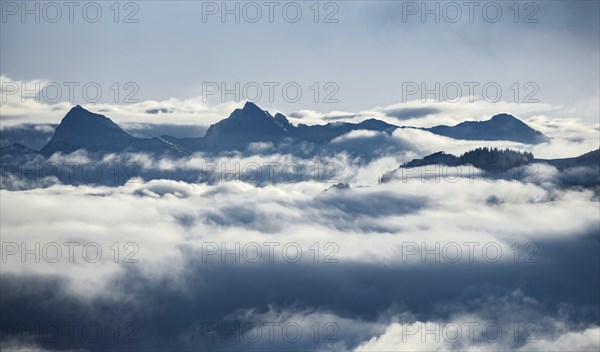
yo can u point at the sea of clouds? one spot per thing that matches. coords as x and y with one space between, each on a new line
170 260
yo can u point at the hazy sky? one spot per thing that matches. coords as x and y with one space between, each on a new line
175 48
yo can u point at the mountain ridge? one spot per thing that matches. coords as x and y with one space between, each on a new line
500 126
82 129
494 161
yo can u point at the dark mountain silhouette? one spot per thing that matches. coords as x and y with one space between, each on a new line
31 135
496 161
325 133
16 153
16 148
251 124
590 159
433 159
481 158
283 122
82 129
499 127
244 126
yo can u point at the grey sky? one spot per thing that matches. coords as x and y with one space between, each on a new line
374 47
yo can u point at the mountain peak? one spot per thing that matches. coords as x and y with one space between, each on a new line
280 117
500 127
250 106
81 128
79 109
252 112
282 121
504 117
80 120
244 126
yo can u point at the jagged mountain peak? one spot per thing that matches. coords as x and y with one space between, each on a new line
83 129
282 121
280 117
244 126
250 111
250 106
79 118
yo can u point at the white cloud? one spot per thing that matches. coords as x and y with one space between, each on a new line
370 225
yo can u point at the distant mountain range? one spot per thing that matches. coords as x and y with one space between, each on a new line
82 129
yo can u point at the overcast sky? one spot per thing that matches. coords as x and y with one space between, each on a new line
175 48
